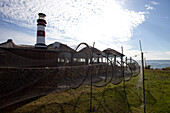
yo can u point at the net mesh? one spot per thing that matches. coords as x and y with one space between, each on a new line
22 78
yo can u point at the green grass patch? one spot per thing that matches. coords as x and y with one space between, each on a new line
109 99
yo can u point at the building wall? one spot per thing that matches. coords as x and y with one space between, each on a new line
13 57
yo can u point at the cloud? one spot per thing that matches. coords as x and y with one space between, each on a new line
149 55
157 55
166 17
151 5
122 2
148 7
155 3
168 53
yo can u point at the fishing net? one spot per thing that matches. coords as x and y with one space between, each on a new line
23 77
135 68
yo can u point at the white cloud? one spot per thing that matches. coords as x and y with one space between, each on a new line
166 17
122 2
155 3
74 21
158 55
149 55
148 7
151 5
168 53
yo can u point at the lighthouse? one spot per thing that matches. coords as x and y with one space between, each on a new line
41 24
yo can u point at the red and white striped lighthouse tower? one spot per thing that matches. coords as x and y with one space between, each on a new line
41 24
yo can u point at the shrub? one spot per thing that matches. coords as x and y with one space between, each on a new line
148 67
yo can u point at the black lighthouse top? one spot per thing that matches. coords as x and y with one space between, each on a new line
41 20
42 16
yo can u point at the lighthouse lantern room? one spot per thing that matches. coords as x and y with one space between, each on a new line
41 24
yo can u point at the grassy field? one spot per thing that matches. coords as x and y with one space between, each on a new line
109 99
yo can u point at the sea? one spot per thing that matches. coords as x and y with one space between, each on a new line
159 64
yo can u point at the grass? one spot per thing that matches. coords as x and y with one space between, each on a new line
109 99
158 91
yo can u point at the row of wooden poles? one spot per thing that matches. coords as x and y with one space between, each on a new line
122 73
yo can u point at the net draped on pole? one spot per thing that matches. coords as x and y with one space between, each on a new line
22 83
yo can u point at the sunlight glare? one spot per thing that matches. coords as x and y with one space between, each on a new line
112 24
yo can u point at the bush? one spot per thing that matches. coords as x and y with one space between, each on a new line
166 68
148 67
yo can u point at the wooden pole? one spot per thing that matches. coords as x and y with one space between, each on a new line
91 84
122 69
143 78
115 65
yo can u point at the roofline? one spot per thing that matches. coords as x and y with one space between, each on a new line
119 54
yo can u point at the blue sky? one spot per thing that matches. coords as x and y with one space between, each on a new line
108 23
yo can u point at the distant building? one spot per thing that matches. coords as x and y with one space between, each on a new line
12 55
9 44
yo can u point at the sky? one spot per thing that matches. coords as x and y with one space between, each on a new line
108 23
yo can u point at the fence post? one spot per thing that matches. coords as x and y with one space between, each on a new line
122 69
143 77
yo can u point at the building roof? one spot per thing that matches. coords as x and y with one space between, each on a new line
42 14
96 52
9 43
112 52
57 46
